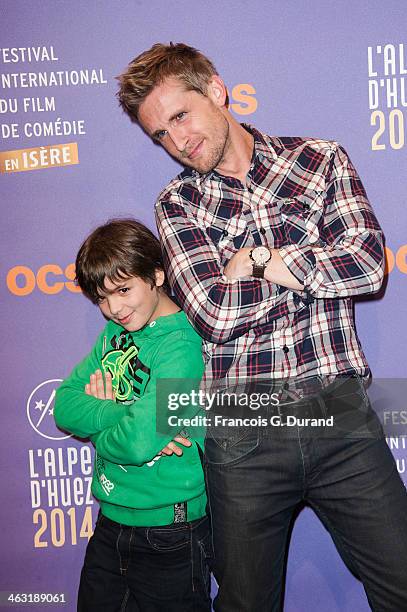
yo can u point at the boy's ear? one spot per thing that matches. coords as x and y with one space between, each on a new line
159 277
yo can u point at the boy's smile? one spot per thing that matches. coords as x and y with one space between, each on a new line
132 302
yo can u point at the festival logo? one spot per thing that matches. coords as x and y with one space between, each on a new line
40 410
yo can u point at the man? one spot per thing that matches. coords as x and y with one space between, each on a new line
265 241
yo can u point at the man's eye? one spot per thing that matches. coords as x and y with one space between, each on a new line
180 116
160 135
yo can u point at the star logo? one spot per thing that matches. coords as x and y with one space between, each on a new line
40 410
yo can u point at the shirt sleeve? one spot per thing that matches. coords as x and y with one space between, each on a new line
144 430
219 309
350 260
79 413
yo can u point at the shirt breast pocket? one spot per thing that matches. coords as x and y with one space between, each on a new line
303 218
228 235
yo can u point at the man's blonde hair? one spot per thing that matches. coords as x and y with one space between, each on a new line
160 62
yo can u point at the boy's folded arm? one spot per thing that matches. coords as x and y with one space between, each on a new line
79 413
134 440
83 415
137 437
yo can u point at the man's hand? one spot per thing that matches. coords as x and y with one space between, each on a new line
99 387
173 449
239 265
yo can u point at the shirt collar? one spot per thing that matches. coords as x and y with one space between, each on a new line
263 147
263 151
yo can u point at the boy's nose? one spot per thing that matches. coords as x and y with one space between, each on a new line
114 305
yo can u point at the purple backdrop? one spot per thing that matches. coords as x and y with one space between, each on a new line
290 72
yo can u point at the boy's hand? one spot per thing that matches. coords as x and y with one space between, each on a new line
173 449
99 387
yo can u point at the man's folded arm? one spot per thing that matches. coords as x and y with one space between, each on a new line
350 261
219 309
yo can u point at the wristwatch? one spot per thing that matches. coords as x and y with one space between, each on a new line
260 257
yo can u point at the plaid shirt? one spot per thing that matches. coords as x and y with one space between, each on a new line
304 198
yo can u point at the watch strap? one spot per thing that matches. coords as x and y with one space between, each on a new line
258 270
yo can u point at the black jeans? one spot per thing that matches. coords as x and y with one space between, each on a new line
257 479
147 569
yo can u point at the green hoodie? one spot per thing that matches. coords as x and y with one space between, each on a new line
134 485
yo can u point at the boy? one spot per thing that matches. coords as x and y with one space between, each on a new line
150 544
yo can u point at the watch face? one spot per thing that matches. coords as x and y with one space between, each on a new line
261 255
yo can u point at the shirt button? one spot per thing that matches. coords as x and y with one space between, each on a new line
153 323
225 233
306 206
262 230
285 349
286 386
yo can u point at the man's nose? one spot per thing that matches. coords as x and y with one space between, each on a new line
179 138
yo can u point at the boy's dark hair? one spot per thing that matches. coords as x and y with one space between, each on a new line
117 250
152 67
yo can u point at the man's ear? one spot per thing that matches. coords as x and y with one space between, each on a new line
159 277
217 91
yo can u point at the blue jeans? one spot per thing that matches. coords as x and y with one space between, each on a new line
257 479
147 569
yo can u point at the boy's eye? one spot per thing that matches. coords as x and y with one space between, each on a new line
100 299
123 289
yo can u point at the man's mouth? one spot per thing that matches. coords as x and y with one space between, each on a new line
195 151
